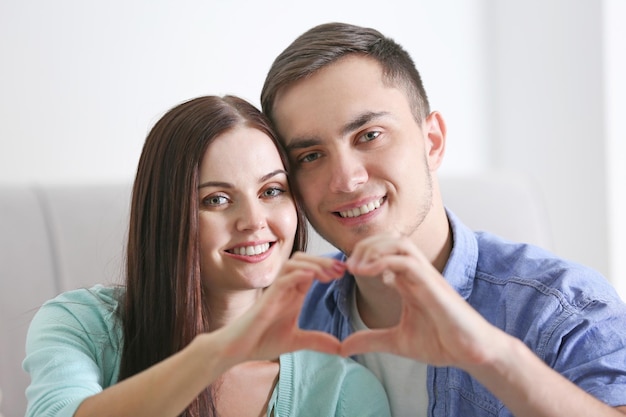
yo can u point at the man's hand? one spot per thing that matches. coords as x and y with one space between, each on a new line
437 326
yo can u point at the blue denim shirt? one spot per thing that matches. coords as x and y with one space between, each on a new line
568 314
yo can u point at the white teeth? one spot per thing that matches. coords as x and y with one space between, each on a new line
251 250
364 209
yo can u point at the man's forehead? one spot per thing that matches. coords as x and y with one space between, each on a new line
353 68
334 100
286 114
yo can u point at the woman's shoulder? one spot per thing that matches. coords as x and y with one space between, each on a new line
98 297
107 293
73 347
92 309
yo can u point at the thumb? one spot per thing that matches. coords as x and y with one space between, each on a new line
318 341
366 341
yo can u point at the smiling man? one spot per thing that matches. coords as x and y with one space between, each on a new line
453 322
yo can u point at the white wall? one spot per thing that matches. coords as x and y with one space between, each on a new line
615 168
523 85
82 82
548 112
558 109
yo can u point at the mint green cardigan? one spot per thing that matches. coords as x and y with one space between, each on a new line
73 352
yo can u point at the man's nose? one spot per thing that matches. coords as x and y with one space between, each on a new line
347 172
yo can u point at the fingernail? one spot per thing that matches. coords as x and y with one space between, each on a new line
339 266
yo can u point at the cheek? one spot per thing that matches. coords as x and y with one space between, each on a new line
286 221
212 233
308 184
403 161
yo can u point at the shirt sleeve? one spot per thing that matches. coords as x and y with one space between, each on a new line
65 353
589 348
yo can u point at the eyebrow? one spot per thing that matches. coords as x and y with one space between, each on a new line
352 125
361 120
222 184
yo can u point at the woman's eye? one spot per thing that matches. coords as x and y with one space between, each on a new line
369 136
273 192
215 200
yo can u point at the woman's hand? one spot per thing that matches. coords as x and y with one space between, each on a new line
270 327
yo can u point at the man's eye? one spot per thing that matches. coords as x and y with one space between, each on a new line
369 136
310 157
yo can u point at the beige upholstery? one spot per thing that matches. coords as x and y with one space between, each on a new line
56 238
504 203
51 239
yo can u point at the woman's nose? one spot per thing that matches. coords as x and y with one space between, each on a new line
251 216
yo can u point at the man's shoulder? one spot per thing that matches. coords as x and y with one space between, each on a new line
529 270
503 258
326 306
320 291
319 305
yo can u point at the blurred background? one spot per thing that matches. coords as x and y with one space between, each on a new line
533 86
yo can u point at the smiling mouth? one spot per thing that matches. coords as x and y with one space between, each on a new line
364 209
250 250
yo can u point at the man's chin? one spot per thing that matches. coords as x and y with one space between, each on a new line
346 243
344 237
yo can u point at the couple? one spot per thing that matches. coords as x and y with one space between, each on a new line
451 322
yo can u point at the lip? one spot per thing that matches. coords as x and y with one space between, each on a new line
378 201
251 258
360 203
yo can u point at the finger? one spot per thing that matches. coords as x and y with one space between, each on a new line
366 341
316 340
287 290
409 268
323 262
375 250
325 269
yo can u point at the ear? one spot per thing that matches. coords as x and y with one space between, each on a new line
434 128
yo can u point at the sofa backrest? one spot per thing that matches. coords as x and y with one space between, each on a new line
52 239
57 238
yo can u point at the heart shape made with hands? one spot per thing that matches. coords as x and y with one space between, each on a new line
381 338
365 341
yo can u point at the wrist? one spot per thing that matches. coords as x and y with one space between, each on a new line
209 355
500 359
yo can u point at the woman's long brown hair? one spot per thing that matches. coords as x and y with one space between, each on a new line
164 307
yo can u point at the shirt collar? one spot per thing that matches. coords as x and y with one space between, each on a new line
459 270
461 266
339 291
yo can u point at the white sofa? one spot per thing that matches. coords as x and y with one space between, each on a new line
54 238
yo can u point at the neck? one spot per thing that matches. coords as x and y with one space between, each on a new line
381 306
434 237
227 307
253 381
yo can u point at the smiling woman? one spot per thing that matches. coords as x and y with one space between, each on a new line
215 279
247 217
